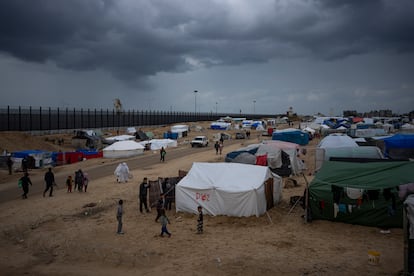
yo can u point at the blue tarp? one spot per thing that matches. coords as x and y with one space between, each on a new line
403 141
297 137
25 153
88 152
399 146
234 154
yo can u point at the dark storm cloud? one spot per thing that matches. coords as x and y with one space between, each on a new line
133 39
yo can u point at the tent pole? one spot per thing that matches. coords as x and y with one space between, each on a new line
306 199
268 216
294 205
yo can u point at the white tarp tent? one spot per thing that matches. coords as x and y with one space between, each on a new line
123 149
230 189
131 130
113 139
181 130
220 125
157 144
337 140
324 154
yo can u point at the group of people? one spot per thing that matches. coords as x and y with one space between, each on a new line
161 216
25 181
164 203
81 181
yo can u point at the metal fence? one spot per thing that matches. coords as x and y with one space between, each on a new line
47 119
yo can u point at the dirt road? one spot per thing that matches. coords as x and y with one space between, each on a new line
10 191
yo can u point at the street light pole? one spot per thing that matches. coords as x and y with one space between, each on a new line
216 107
254 106
195 101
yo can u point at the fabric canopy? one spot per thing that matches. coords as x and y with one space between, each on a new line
379 204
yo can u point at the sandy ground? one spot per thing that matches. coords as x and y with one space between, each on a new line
57 236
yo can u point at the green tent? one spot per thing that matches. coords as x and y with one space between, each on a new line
360 193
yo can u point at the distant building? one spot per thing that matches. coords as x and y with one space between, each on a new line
289 113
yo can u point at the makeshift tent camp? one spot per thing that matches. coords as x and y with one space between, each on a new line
292 135
228 189
360 193
123 149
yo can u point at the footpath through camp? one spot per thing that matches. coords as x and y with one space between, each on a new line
75 233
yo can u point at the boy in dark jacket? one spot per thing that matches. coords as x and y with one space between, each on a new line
119 213
200 220
25 180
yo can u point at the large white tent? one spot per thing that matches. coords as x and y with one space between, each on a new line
156 144
123 149
230 189
337 140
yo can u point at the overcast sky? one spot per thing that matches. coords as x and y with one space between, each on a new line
255 56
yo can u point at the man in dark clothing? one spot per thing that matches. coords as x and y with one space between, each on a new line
160 207
50 181
25 164
25 180
119 213
200 220
143 192
9 164
79 178
167 189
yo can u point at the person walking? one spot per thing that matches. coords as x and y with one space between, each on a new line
69 183
50 181
122 173
168 191
164 221
119 213
162 154
9 164
160 207
25 180
221 146
143 192
79 180
217 146
200 220
85 181
25 164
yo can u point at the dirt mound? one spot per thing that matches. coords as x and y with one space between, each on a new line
18 141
